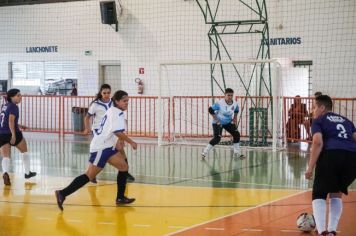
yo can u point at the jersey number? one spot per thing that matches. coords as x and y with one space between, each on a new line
2 119
102 123
342 133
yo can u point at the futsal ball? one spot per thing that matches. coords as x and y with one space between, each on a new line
306 222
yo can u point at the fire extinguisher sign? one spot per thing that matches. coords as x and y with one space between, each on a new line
141 70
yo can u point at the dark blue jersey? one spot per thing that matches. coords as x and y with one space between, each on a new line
336 130
7 110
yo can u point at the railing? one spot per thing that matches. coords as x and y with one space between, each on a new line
184 116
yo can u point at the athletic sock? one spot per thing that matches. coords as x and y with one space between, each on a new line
76 184
121 184
5 164
236 147
26 162
335 211
319 211
207 149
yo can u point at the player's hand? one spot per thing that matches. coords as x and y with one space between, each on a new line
22 127
13 139
308 174
234 121
86 132
133 145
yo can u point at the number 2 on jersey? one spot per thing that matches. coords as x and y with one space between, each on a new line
342 133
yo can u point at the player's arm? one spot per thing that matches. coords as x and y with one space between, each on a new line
12 128
354 137
87 123
118 128
212 110
317 146
236 111
122 136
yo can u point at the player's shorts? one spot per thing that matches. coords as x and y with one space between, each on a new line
100 158
6 138
335 171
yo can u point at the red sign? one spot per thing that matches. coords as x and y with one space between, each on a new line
141 70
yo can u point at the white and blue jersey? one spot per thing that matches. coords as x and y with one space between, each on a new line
112 123
225 112
97 110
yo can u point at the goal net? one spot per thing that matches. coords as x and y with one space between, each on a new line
187 89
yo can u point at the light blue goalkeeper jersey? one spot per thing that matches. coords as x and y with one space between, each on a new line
224 111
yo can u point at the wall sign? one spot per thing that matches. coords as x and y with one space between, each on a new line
46 49
283 41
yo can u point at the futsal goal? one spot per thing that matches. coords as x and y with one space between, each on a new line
190 87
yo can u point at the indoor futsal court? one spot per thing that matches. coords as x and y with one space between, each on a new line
176 192
223 99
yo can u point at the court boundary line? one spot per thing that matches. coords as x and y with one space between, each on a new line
235 213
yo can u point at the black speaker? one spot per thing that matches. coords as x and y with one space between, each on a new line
108 12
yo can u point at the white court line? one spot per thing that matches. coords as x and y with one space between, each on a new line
220 229
235 213
106 223
43 218
15 216
176 227
290 231
138 225
75 221
252 230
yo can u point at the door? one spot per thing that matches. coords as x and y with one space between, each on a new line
111 74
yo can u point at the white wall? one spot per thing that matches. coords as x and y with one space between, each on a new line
160 30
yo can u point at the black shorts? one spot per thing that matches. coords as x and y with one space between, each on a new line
335 171
6 138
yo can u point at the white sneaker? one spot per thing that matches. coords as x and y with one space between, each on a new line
203 155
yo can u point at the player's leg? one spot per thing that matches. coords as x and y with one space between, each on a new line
5 163
319 193
344 162
120 147
217 132
232 129
21 145
97 162
76 184
118 161
335 211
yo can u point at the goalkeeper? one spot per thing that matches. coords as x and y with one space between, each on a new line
224 114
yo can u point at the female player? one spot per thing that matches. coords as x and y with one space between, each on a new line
103 150
97 109
11 135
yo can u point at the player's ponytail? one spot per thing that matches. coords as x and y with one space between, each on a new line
11 93
118 95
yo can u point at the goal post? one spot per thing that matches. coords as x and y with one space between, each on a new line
190 87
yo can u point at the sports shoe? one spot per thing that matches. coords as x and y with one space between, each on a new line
60 199
203 155
124 200
6 178
237 154
332 233
130 178
324 233
31 174
94 181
